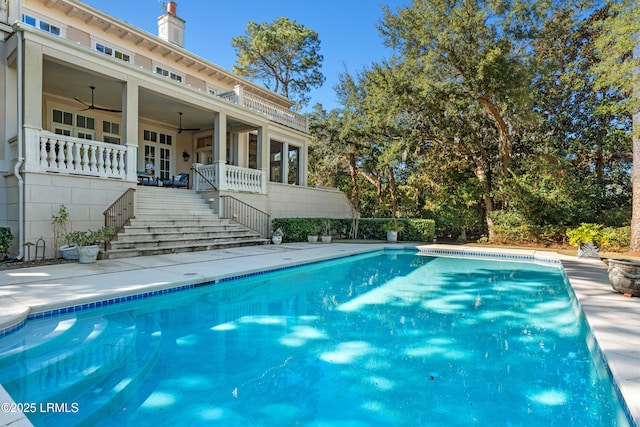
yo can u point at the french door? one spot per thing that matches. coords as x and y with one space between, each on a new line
158 149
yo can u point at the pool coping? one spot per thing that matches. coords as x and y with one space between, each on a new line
27 292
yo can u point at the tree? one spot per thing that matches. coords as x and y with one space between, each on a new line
619 67
469 63
284 55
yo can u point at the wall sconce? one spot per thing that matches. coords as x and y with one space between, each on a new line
185 156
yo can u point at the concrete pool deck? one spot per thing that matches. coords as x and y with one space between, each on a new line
614 319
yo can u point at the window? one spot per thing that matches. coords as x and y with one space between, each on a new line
50 28
43 25
170 74
115 53
69 124
111 132
253 151
294 165
29 19
275 162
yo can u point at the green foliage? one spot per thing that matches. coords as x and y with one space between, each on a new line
297 229
59 222
87 238
617 238
586 233
5 241
284 55
393 225
512 228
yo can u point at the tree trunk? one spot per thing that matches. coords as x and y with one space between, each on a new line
504 146
394 194
635 182
355 191
635 176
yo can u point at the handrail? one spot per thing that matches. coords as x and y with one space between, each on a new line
245 214
205 179
120 212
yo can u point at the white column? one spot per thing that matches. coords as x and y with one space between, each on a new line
220 148
304 164
263 155
32 104
285 163
130 131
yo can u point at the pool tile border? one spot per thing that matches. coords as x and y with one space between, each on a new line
535 256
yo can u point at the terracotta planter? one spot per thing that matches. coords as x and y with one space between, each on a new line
624 276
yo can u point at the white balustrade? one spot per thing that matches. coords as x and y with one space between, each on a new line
59 153
273 111
235 178
243 179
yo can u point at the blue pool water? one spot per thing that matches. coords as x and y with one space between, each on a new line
384 339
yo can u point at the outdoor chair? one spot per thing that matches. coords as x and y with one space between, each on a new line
179 181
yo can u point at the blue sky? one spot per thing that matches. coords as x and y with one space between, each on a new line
346 28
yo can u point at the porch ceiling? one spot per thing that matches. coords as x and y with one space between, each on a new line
65 82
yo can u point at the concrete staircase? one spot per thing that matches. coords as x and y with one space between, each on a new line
170 220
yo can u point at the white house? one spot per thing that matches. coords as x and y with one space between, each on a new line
87 102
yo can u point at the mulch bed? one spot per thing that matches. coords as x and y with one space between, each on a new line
13 265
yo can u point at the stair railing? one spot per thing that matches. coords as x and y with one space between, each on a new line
205 179
245 214
120 212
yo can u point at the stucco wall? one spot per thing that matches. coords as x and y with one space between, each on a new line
85 200
298 202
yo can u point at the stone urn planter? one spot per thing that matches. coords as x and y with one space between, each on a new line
392 236
624 276
312 238
88 254
69 252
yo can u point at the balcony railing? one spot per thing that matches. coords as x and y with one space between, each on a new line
273 111
59 153
221 176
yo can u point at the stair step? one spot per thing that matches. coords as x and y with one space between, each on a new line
176 220
128 253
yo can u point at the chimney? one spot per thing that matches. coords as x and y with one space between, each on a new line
170 27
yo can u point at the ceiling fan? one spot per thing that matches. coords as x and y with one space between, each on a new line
180 128
92 106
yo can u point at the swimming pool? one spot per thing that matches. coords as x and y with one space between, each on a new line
389 338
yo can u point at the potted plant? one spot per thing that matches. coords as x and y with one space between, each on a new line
392 228
276 238
326 237
59 221
87 243
314 231
589 238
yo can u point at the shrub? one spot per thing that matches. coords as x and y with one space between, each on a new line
297 229
617 238
587 232
5 241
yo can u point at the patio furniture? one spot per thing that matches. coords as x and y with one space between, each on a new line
179 181
145 178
